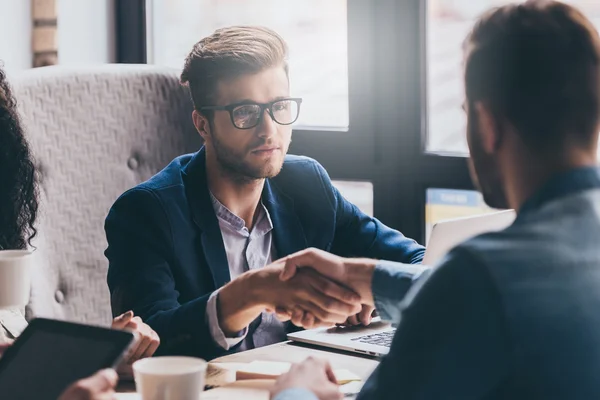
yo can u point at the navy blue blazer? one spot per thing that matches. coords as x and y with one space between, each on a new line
166 253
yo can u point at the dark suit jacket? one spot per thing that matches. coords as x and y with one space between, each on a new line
507 315
166 253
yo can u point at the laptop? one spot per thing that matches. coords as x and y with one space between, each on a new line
376 339
445 235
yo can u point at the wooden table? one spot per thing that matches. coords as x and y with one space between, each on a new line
289 352
296 352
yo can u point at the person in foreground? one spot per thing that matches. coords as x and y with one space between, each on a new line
187 248
510 314
18 213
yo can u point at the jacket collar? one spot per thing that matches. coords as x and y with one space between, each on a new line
563 184
287 231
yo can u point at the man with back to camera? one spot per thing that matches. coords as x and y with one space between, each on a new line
510 314
187 248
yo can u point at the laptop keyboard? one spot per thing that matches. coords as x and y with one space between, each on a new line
380 339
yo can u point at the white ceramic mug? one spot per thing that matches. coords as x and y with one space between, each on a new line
15 277
170 378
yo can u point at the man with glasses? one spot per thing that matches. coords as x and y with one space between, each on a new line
510 314
187 248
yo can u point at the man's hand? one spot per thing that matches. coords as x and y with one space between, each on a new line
244 298
306 320
319 298
313 374
364 317
356 274
146 343
100 386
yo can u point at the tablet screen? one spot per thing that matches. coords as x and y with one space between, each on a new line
50 356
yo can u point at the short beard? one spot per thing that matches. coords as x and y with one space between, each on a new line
233 166
485 171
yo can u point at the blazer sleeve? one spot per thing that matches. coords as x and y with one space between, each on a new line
359 235
140 249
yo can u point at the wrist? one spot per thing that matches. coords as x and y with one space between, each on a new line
360 278
258 288
236 308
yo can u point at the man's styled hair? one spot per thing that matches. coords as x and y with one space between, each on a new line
537 65
229 53
18 183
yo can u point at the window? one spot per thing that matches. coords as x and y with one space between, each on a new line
448 23
318 43
359 65
358 193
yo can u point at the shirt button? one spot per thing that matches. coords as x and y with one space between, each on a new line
59 296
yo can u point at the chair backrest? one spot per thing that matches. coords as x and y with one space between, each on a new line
95 132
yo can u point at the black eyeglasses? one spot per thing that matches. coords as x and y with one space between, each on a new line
249 115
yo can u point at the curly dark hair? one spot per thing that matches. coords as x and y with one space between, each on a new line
18 181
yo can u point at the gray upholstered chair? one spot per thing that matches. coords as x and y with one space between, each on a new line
95 132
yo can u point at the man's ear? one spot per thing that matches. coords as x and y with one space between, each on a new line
202 124
489 128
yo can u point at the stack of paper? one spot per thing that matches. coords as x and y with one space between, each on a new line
272 369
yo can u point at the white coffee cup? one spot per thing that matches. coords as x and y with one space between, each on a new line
170 378
15 277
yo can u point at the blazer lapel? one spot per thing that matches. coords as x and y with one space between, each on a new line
287 230
196 187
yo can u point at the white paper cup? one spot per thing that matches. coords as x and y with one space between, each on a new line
15 277
170 378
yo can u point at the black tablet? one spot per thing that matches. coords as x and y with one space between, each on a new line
50 355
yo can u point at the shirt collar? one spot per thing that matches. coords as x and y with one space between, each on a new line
226 215
563 184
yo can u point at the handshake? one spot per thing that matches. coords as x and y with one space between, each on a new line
313 288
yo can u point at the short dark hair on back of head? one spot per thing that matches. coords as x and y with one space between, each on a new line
229 53
537 64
